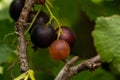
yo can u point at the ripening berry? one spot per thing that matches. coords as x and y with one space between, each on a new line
59 50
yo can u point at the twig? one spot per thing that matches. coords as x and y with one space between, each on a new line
68 70
20 32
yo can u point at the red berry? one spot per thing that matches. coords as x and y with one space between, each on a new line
59 50
68 35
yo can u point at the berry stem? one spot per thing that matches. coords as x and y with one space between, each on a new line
53 17
49 3
9 34
50 12
33 20
60 30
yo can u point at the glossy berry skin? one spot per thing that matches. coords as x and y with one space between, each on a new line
59 50
41 18
68 35
16 8
42 35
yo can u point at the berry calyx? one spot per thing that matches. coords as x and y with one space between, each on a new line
16 8
59 50
42 35
68 35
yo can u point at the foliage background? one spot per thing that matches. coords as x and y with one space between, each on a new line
80 16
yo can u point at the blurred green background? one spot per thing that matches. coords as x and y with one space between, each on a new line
80 16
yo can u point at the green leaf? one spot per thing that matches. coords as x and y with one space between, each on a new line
6 26
4 53
107 37
67 14
115 65
4 9
96 8
1 70
98 74
107 40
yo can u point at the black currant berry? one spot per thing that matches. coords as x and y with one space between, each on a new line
42 35
68 35
41 18
16 8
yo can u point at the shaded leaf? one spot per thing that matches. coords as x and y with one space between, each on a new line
102 8
98 74
4 53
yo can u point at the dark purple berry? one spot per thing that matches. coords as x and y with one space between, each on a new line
41 18
68 35
16 8
42 35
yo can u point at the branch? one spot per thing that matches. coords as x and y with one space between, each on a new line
20 32
68 70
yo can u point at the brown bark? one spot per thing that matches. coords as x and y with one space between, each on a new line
69 70
21 37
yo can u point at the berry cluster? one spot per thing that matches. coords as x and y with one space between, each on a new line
42 33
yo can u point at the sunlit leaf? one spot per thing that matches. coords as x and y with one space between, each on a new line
4 9
1 70
107 39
